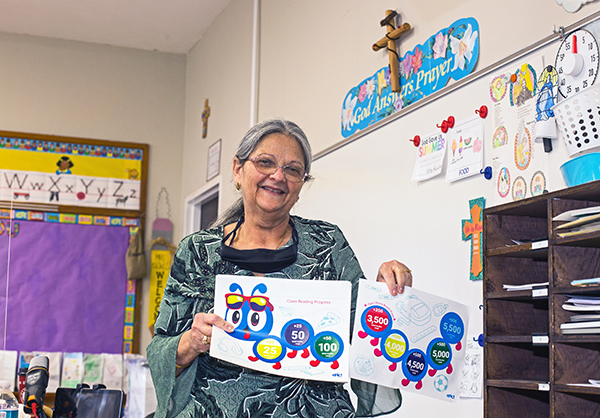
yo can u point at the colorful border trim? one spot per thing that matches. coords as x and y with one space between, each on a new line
54 147
67 218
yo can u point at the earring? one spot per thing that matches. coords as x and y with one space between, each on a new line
238 186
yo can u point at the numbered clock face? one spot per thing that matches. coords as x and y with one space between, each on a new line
577 62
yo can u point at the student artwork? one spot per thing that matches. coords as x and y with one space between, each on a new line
74 174
500 137
465 146
300 336
451 53
503 182
523 85
430 157
414 341
472 229
538 183
523 147
519 188
499 87
545 125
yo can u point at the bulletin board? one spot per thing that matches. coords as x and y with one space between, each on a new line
68 208
363 184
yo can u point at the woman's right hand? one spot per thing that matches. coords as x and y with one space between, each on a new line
197 340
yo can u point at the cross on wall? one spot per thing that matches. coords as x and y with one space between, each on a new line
389 41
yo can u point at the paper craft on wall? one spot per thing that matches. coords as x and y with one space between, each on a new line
414 341
430 156
465 149
302 336
472 229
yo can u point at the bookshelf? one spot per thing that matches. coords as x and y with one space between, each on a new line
531 369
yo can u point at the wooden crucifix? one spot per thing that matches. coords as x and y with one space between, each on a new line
389 40
205 115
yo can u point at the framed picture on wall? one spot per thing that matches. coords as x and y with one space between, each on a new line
214 160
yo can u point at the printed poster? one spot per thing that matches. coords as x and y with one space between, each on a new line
292 328
465 149
430 157
414 341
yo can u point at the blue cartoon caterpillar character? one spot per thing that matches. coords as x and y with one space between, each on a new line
252 317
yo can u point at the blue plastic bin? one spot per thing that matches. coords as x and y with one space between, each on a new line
581 169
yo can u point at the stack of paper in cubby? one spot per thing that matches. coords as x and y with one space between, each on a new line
578 221
585 322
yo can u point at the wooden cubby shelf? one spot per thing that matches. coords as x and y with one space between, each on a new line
531 369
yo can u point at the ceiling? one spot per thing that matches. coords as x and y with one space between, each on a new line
164 25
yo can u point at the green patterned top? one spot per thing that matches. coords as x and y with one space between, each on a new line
215 388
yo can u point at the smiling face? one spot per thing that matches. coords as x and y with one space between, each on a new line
270 195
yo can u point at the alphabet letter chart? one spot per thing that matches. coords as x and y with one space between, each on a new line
293 328
414 341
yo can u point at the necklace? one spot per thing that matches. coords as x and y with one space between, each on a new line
283 237
233 244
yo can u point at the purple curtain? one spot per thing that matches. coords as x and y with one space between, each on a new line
66 287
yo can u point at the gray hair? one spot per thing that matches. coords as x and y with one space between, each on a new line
249 143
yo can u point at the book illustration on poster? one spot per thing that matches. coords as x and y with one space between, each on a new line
414 341
301 336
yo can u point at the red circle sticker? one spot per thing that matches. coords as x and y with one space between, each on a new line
377 319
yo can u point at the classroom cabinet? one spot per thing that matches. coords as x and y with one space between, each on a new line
531 368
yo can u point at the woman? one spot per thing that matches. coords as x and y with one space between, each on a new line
256 236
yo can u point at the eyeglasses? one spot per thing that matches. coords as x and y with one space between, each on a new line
292 172
257 303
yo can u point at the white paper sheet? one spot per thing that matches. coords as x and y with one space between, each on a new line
297 328
414 341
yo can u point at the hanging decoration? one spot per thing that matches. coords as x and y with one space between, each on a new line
162 251
451 53
472 229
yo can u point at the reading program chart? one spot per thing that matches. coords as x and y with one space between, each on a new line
414 341
293 328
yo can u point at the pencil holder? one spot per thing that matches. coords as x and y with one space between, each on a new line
578 119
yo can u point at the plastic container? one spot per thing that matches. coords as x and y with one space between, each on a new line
581 169
9 406
578 118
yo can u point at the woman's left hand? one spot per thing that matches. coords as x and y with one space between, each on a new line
396 275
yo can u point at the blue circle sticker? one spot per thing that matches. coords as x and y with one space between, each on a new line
376 320
394 346
452 328
439 353
415 365
296 334
327 346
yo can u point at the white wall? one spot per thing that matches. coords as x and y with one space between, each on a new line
93 91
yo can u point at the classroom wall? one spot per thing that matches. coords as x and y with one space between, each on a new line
84 90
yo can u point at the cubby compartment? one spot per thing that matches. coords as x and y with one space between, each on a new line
503 402
576 405
503 230
525 317
513 271
573 263
576 362
517 361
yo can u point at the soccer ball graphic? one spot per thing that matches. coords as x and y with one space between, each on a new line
440 383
